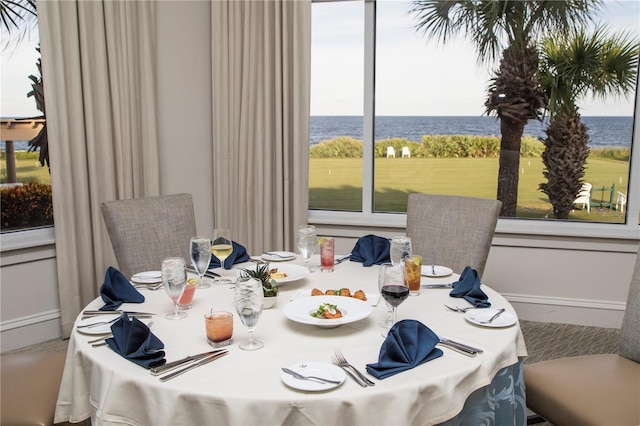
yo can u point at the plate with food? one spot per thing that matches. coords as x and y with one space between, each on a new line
278 256
327 311
371 298
435 271
315 372
283 272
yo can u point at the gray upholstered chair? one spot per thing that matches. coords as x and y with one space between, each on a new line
592 389
143 231
452 231
30 383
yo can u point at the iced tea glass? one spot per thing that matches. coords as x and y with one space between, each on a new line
219 327
413 267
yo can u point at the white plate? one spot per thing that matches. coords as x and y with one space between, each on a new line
441 271
372 298
294 272
300 310
284 255
102 328
318 369
148 277
476 316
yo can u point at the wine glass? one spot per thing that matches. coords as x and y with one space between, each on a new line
249 301
221 247
200 258
174 280
400 248
388 321
307 242
395 288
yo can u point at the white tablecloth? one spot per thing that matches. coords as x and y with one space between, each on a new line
245 388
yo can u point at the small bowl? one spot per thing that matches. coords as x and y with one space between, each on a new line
269 302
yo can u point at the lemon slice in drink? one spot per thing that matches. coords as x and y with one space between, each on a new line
322 240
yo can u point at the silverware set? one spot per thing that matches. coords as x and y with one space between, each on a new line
339 360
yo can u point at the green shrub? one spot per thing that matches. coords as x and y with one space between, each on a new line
619 154
26 206
340 147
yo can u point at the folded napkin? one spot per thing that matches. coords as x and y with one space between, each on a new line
408 344
116 289
238 255
133 340
468 287
371 250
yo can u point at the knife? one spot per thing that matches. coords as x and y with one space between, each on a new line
460 347
192 366
175 364
312 378
341 259
208 274
448 285
89 312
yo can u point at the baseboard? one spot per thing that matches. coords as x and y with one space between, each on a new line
30 330
575 311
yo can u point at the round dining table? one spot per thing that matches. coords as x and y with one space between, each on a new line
247 387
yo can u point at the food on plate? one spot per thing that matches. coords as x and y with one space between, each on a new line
327 311
274 274
345 292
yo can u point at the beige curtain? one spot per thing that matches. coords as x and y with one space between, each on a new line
98 65
261 54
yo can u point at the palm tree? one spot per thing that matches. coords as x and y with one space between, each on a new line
571 67
510 28
16 15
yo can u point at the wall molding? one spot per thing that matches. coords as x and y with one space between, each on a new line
29 330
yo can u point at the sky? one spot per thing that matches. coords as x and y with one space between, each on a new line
414 76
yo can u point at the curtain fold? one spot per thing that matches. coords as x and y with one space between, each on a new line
98 66
261 55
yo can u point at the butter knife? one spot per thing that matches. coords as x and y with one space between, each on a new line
192 366
312 378
460 347
156 371
90 312
448 285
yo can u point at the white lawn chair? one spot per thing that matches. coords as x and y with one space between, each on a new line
621 201
584 197
391 152
406 152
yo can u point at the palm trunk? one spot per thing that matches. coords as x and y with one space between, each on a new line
508 172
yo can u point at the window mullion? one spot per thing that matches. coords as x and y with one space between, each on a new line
369 107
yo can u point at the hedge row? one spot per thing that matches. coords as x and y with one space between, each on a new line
26 206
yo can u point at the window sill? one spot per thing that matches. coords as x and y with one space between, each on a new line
18 240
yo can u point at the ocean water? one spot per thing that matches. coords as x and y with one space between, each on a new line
604 131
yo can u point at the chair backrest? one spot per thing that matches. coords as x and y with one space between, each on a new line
143 231
630 331
406 152
391 152
452 231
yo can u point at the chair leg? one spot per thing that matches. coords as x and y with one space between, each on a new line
535 419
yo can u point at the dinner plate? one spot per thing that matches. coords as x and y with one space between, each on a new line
318 369
294 272
278 256
102 328
352 309
440 271
372 298
147 277
476 316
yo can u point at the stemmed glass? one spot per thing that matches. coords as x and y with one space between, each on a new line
249 301
307 242
388 321
400 248
174 279
395 288
221 247
201 257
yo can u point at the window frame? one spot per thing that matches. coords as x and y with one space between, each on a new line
630 229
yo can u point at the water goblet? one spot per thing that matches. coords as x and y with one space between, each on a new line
174 280
249 301
395 287
200 258
221 247
400 248
307 242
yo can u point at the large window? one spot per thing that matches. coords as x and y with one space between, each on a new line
393 112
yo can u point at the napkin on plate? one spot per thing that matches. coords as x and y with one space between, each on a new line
133 340
408 344
371 250
468 287
238 255
116 289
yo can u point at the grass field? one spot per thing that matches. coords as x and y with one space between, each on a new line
336 183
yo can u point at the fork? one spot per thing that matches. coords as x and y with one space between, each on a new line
342 362
458 309
95 324
275 254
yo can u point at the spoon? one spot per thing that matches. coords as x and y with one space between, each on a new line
312 378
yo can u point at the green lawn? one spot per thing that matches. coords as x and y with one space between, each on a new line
26 169
336 184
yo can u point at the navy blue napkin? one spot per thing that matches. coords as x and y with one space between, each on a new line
133 340
238 255
371 250
468 287
116 289
408 344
